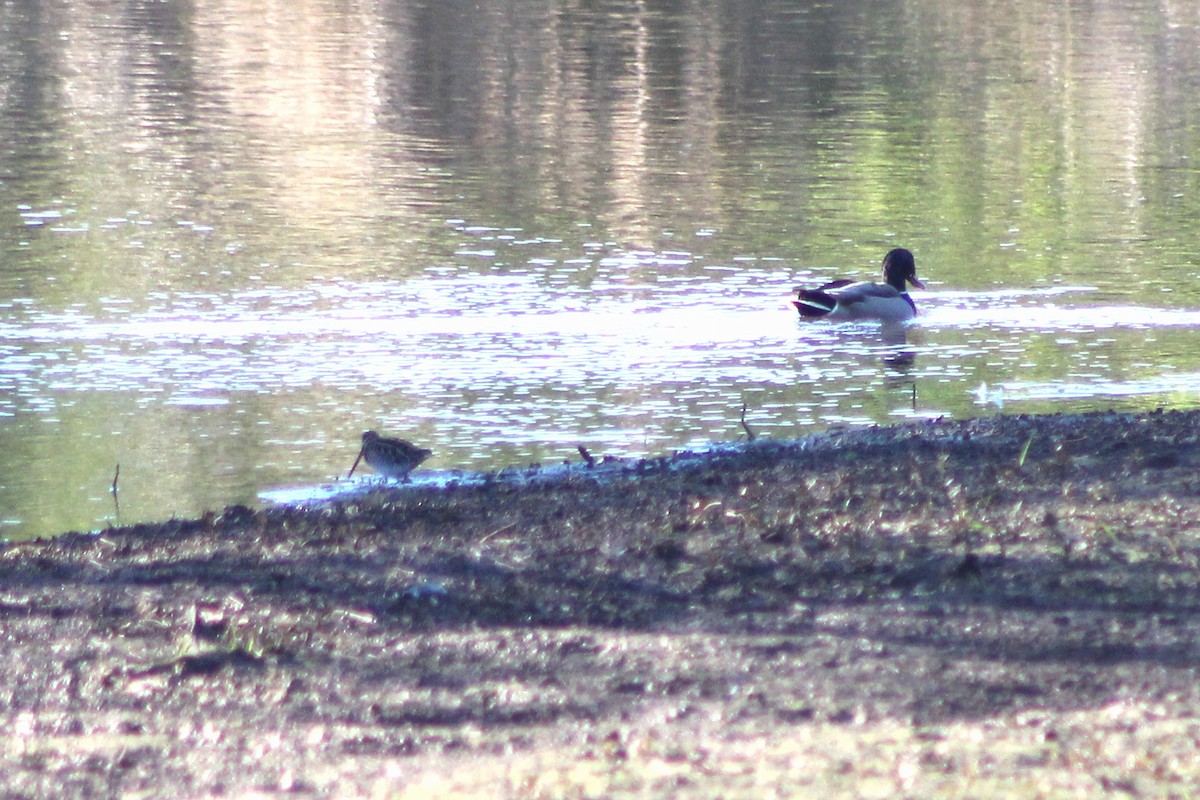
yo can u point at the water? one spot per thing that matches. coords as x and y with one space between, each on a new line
232 238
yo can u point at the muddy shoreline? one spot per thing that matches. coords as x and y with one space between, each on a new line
989 605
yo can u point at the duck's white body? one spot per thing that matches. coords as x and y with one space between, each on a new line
864 300
843 301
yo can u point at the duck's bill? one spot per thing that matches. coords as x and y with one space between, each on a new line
913 280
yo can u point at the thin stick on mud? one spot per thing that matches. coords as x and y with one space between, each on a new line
116 499
745 425
501 529
1024 452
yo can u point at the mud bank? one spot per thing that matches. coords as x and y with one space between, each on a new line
996 606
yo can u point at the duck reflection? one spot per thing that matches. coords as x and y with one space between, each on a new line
897 354
845 350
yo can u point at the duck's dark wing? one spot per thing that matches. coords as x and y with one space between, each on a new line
814 303
821 302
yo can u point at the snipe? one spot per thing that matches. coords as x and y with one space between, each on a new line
392 458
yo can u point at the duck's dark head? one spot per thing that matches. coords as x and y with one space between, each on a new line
898 267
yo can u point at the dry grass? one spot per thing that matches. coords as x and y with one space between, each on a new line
1123 749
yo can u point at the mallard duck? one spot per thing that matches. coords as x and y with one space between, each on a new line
845 300
392 458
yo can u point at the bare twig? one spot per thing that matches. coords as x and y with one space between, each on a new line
591 462
745 425
116 499
501 529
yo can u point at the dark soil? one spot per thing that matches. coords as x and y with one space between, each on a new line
911 610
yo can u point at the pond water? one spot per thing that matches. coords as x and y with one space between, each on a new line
233 236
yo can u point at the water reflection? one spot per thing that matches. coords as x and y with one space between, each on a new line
233 237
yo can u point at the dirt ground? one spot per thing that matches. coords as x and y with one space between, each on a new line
1003 607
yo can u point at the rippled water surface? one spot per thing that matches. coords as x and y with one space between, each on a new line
230 245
